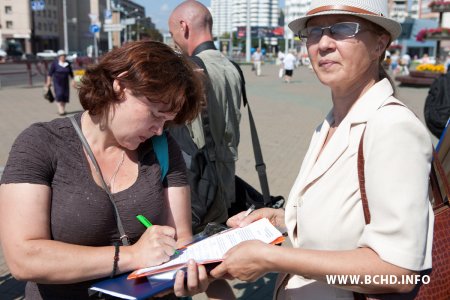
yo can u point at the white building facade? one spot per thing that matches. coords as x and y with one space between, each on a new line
294 9
221 11
229 15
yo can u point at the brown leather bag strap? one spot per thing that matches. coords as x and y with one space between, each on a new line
439 201
361 176
361 179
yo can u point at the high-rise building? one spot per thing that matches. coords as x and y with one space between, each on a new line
230 15
263 13
221 12
294 9
399 10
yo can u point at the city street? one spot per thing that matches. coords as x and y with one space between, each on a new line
285 114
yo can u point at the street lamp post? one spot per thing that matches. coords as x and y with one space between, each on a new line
110 40
66 39
249 34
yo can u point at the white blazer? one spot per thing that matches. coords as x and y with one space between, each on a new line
324 209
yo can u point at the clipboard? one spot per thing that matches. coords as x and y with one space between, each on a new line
210 250
141 288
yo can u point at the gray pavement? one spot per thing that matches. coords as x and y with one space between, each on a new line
285 115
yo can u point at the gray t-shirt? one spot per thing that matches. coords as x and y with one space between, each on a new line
81 212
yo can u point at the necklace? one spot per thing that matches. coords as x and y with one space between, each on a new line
113 176
119 164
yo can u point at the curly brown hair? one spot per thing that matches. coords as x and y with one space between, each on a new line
148 69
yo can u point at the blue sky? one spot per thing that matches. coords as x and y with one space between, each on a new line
159 10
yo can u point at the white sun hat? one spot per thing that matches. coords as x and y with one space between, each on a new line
375 11
61 53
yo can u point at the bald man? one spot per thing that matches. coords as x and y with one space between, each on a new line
216 131
190 25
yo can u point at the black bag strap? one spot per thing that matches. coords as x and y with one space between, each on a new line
209 141
123 235
260 166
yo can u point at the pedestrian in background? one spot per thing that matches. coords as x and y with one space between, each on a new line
279 62
289 64
257 59
324 215
60 71
59 228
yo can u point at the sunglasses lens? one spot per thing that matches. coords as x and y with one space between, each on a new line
344 30
311 33
338 31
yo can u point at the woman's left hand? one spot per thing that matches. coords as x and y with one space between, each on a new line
244 261
196 280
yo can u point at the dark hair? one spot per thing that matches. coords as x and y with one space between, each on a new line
377 29
381 71
148 69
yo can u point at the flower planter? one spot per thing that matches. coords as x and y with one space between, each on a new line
418 78
440 8
437 37
424 74
414 81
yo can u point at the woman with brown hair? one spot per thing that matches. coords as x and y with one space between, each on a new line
57 222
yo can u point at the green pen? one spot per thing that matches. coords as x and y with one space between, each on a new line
144 221
148 224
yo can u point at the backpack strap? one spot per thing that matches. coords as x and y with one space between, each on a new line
161 149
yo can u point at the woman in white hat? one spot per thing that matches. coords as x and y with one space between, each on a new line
60 70
346 42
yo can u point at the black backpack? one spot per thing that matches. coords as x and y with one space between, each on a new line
437 105
202 173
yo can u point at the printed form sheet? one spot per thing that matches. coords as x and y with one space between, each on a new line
213 248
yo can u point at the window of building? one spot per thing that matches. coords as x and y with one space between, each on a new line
54 14
45 26
8 9
9 24
39 26
44 13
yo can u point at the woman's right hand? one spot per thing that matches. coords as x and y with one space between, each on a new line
275 216
154 247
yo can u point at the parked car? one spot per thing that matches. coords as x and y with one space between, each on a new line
73 55
2 55
47 54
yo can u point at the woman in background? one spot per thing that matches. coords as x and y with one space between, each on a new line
60 71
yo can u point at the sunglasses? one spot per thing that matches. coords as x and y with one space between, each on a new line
338 31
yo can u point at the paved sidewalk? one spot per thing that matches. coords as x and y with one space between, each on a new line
286 116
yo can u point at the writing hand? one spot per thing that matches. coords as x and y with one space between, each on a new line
275 216
155 246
